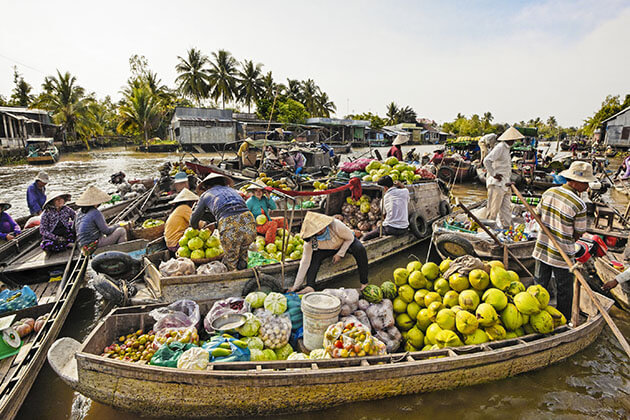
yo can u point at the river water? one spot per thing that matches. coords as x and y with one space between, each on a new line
594 383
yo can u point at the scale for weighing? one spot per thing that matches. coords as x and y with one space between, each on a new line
10 341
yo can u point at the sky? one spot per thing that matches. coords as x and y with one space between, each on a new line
516 59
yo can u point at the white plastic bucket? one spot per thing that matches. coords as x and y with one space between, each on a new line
319 311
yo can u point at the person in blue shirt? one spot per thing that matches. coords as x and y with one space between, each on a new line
36 194
235 222
259 202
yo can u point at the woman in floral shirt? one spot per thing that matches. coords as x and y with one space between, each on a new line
57 224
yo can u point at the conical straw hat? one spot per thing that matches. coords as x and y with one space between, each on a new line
93 196
185 196
511 134
313 223
256 186
400 139
51 197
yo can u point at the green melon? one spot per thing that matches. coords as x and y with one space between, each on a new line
389 290
373 293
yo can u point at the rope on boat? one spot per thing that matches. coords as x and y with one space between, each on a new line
256 276
400 358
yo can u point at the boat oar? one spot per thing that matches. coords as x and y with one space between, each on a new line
492 235
577 273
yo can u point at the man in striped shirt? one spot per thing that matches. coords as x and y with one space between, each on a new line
564 213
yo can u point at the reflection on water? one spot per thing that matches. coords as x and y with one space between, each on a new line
595 383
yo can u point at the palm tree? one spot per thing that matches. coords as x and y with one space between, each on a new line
309 94
140 111
193 79
66 100
407 115
222 75
392 113
251 85
293 89
325 106
552 122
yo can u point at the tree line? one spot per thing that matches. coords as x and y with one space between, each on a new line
147 105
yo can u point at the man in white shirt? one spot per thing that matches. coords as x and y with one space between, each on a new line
396 205
498 163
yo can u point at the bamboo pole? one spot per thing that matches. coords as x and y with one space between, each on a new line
578 275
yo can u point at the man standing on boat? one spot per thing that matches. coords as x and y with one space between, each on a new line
498 163
36 194
562 210
486 144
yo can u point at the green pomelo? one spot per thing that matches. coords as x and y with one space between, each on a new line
495 332
515 288
450 299
447 338
540 293
558 317
511 317
204 234
434 308
404 322
183 251
431 297
409 347
513 275
444 265
418 297
423 319
416 279
400 276
415 337
541 322
198 254
431 332
414 266
406 293
400 306
412 310
499 278
441 286
431 271
195 243
477 337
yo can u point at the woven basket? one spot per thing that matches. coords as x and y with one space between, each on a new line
149 233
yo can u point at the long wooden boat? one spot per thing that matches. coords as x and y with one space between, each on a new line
204 170
281 387
22 257
455 170
605 272
41 151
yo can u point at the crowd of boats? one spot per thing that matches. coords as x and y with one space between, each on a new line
129 275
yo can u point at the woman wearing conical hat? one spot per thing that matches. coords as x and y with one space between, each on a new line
57 224
92 229
325 237
179 219
8 228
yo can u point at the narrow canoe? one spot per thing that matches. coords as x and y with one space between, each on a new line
606 272
280 387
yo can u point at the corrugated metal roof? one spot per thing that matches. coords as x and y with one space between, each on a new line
22 110
623 111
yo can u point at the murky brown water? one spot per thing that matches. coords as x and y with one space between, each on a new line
595 383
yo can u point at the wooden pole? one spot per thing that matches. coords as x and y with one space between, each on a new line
492 235
578 276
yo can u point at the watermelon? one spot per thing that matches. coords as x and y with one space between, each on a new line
373 293
389 290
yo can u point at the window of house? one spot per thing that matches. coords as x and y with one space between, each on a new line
625 133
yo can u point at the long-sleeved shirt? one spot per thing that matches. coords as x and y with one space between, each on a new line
221 202
176 225
396 203
396 152
7 226
35 198
257 205
91 226
498 162
564 213
51 217
341 237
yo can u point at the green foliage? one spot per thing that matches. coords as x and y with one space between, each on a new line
610 106
223 76
140 112
21 95
473 126
193 80
251 86
396 115
376 122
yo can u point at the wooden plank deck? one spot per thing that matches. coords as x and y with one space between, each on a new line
37 258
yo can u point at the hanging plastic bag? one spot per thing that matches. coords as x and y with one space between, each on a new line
179 314
13 300
349 339
168 354
294 309
225 306
195 358
224 349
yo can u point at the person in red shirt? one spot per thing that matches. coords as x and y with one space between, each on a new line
396 150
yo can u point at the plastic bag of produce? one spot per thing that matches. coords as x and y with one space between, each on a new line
362 317
276 303
179 314
275 330
177 267
256 299
186 335
213 267
294 309
319 354
223 349
349 299
351 340
194 358
391 337
222 307
251 326
168 354
283 352
381 315
12 300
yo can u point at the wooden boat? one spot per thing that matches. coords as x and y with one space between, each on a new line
341 149
605 272
426 202
455 170
282 387
41 151
205 170
159 148
23 258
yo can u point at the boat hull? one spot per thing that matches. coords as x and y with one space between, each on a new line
43 160
267 388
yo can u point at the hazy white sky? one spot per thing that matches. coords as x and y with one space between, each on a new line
517 59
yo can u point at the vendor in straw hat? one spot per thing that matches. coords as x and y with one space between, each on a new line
92 229
261 204
396 150
498 163
324 237
8 228
564 213
36 194
57 224
234 220
179 219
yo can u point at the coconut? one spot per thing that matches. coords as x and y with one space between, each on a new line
447 338
446 319
511 317
542 322
477 337
486 315
558 317
526 303
466 322
496 298
541 295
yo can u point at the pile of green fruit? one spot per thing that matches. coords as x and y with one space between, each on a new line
149 223
136 346
398 171
486 305
292 250
199 244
